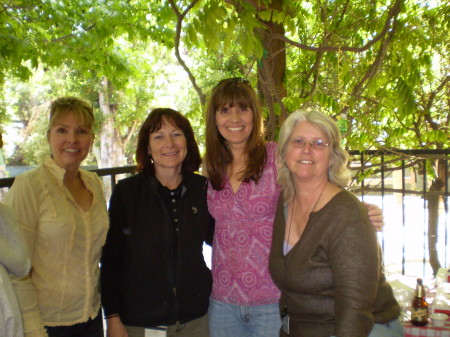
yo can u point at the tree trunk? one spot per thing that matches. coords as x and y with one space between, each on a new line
271 72
433 215
111 150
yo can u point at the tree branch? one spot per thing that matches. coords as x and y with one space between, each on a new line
71 35
180 18
373 68
393 13
427 115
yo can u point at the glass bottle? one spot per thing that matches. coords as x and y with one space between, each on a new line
419 307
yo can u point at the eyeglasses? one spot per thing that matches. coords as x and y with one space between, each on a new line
317 144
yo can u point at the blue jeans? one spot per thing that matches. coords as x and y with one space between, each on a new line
390 329
229 320
91 328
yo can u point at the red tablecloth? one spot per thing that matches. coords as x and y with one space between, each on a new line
426 331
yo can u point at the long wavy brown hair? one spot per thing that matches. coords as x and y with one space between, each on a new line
233 92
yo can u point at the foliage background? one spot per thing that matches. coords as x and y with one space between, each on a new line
380 67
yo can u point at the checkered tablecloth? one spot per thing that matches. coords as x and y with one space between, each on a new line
426 331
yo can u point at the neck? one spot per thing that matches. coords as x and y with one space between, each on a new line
237 151
169 179
307 197
71 176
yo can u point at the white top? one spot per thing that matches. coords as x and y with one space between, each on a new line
65 244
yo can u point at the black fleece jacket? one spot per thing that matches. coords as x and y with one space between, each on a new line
137 279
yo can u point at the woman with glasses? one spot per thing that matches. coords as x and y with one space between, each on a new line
325 256
242 197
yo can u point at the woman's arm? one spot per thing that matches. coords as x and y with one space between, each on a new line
22 198
115 327
354 260
112 254
13 254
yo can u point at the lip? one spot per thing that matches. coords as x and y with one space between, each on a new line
305 162
170 154
235 128
71 150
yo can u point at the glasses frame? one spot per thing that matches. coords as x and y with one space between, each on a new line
316 144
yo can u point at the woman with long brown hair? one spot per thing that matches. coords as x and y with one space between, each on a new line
242 197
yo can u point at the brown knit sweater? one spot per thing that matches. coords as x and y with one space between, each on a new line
332 280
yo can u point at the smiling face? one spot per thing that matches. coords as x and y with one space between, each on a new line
70 141
304 162
168 148
235 123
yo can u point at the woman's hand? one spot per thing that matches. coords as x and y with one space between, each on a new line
375 216
115 327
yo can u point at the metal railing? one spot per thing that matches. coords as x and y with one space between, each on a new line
405 184
412 188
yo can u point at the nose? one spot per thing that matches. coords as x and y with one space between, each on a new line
170 141
72 137
307 147
234 115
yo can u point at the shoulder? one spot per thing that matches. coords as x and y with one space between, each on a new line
134 183
30 174
196 178
271 148
348 200
28 182
346 212
132 180
271 151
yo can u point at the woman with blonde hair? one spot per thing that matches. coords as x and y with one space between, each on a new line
325 257
62 212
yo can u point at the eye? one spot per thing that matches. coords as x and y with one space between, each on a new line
299 141
83 131
319 143
177 134
157 136
60 130
244 108
224 110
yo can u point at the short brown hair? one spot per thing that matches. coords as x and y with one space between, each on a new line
62 106
153 123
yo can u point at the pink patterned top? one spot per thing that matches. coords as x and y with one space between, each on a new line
242 238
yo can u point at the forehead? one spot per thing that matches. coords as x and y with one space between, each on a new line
230 96
71 118
167 124
307 129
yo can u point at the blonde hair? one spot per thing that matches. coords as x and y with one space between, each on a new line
62 106
338 173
